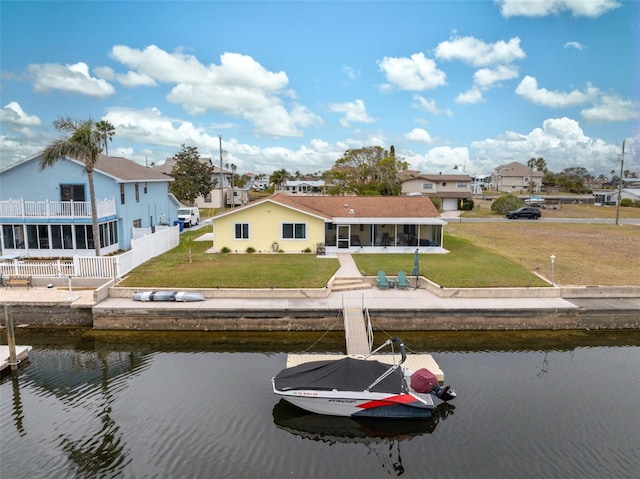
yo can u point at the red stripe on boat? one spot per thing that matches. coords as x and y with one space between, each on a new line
389 401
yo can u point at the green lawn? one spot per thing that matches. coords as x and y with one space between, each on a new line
466 266
205 270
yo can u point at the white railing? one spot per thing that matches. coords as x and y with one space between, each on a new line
55 209
142 249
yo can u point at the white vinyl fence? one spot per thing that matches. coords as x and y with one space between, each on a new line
142 249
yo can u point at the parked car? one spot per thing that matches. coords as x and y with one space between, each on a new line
524 212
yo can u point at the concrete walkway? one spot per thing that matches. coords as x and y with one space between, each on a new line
374 299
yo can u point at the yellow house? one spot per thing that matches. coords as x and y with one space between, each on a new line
329 224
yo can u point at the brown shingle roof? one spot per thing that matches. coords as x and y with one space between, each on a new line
365 206
437 178
125 170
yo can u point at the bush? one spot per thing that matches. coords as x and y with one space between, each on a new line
250 249
626 202
225 250
506 203
467 205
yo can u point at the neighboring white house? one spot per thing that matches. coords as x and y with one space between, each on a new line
47 213
303 187
516 178
610 197
451 189
217 196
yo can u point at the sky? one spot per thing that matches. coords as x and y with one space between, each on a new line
454 86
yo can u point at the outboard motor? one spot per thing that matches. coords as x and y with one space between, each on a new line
424 381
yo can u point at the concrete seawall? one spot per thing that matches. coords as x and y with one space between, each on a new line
427 308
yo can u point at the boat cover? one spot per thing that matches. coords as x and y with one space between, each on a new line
347 374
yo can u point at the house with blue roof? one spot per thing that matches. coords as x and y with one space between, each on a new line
47 213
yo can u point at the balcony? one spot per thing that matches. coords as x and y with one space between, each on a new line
58 210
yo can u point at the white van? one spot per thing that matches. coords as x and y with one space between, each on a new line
190 215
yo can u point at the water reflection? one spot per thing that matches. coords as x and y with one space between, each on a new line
369 432
87 382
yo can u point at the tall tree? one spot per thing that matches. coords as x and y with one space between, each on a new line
82 143
538 164
192 177
106 131
278 178
370 170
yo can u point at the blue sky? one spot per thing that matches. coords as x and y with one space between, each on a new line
473 84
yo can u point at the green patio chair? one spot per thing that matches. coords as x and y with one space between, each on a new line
403 282
383 283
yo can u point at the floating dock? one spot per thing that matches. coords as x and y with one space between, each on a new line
22 355
358 346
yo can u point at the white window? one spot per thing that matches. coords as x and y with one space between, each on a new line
462 185
427 186
294 231
242 230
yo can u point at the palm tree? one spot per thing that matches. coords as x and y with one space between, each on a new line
82 143
106 131
279 178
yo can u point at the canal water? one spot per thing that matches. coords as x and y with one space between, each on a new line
168 407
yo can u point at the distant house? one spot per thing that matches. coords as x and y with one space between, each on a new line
303 187
610 197
330 224
218 195
516 178
452 189
48 213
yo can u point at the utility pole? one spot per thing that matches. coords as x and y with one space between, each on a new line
620 184
221 179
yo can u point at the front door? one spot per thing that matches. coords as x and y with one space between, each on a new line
343 236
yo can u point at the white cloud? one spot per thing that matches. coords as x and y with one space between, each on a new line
429 105
162 136
419 135
560 141
68 78
488 77
576 45
478 53
350 72
239 87
355 112
471 96
540 8
13 115
440 159
528 88
416 73
610 108
134 79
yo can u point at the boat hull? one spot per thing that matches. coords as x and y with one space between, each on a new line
361 403
167 296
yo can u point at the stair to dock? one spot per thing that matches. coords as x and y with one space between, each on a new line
350 284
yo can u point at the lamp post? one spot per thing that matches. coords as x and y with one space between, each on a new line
221 179
553 269
620 185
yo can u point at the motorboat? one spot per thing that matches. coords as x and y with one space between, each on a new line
362 387
167 296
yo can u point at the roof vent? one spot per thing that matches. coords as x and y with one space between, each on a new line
352 211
